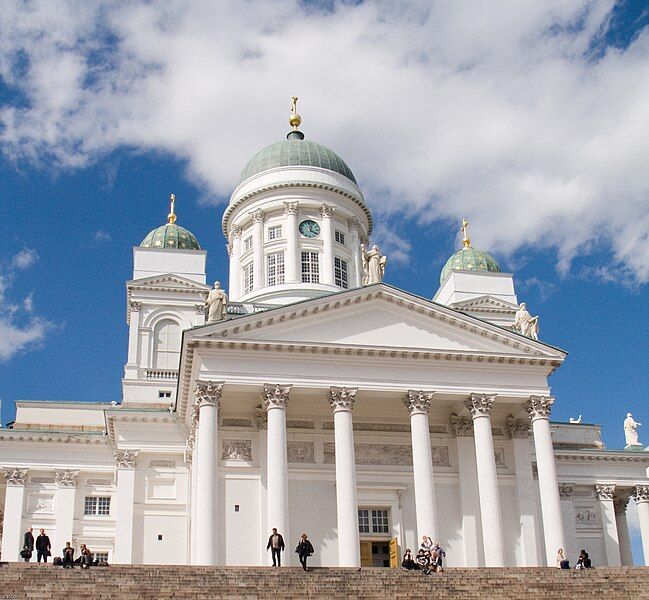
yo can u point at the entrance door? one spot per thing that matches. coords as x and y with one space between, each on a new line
375 554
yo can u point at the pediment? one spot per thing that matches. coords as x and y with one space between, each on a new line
377 317
486 304
166 282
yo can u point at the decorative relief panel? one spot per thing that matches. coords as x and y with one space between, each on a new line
438 429
329 449
586 516
41 504
15 476
161 462
67 478
300 424
300 452
226 422
236 450
42 479
387 454
499 456
440 456
99 482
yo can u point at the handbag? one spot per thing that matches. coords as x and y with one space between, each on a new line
24 553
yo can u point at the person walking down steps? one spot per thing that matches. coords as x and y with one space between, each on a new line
276 545
304 550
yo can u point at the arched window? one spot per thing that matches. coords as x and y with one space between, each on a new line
166 344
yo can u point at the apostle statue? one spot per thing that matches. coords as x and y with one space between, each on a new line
216 304
373 265
631 430
525 323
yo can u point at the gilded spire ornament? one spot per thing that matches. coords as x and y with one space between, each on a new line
294 120
171 217
466 242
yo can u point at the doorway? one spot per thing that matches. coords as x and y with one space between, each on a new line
375 553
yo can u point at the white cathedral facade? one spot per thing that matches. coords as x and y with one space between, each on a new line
363 415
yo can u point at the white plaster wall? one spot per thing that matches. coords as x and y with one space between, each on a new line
148 262
464 285
449 522
511 524
239 544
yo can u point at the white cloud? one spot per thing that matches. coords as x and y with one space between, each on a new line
498 111
390 243
102 236
24 259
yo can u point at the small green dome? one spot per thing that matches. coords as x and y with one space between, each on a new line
296 151
171 235
469 259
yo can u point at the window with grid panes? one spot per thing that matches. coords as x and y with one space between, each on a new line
339 236
96 505
373 520
340 273
247 244
247 278
363 520
275 268
310 268
101 556
274 232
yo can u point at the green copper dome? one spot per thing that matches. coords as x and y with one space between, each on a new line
296 151
469 259
171 235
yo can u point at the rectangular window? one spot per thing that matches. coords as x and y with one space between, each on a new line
96 505
339 236
101 556
164 394
275 268
247 244
375 520
248 280
310 268
363 521
275 232
340 273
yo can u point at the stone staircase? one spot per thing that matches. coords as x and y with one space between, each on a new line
144 582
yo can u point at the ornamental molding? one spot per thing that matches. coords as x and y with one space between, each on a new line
566 491
342 398
327 211
261 418
125 459
290 208
620 504
236 450
15 475
208 393
167 283
603 456
237 231
418 402
275 396
18 435
300 452
480 405
641 493
134 305
257 215
66 478
517 428
486 304
354 223
604 491
539 407
461 426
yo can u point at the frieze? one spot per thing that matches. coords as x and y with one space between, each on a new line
499 457
94 481
300 452
42 479
41 504
162 462
236 450
586 516
440 456
300 425
15 476
231 422
67 478
126 458
387 454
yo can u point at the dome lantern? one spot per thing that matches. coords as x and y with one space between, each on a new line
171 235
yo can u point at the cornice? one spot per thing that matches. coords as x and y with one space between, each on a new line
148 417
602 456
31 435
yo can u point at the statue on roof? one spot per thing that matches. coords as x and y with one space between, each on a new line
373 265
216 304
525 323
631 431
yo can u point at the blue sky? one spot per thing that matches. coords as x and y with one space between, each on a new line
532 123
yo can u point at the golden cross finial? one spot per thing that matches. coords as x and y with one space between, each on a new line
465 236
171 217
295 119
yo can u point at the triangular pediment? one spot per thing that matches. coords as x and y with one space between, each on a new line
167 281
486 304
379 316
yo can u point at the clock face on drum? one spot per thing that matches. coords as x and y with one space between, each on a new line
309 229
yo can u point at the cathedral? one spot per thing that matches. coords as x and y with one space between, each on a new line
316 398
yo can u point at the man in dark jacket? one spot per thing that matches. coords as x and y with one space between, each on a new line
28 545
304 550
43 547
276 545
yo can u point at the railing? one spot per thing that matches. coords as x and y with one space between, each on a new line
161 374
247 308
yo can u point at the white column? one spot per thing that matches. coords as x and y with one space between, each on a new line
571 551
275 402
235 265
208 399
349 551
130 368
418 404
291 260
642 500
519 432
66 482
327 274
626 554
539 408
191 449
492 529
258 249
605 494
469 497
355 246
12 534
124 505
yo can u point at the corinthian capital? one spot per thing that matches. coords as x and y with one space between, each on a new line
258 215
620 504
418 402
539 407
66 478
135 305
290 208
462 426
517 428
342 398
208 393
15 476
641 493
126 458
566 490
480 405
276 396
326 210
604 491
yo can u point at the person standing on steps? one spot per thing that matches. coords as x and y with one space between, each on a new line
304 550
276 545
43 547
28 545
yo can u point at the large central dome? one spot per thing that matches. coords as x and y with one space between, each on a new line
296 151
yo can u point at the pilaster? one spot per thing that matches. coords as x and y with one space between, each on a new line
66 487
641 494
620 504
566 493
16 479
125 461
327 275
291 261
605 494
258 249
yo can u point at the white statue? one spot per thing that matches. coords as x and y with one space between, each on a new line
216 304
631 430
572 420
373 265
525 323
